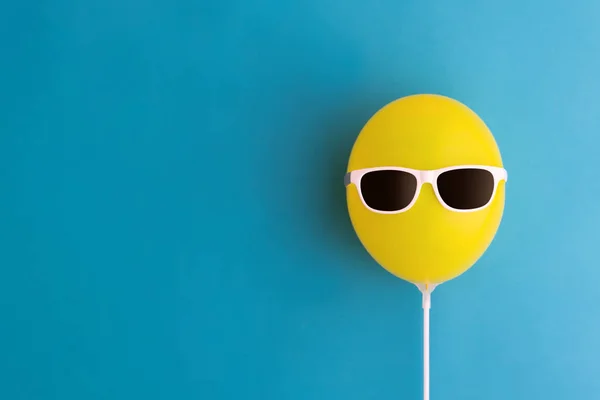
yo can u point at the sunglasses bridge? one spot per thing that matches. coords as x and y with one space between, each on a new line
427 177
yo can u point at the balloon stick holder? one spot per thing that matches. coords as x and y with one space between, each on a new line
426 289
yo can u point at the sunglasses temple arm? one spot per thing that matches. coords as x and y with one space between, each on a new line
426 290
347 179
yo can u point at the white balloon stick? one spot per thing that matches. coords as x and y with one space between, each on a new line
426 290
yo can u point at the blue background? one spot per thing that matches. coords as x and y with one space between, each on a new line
173 221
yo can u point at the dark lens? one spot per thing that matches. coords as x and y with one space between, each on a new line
466 189
388 190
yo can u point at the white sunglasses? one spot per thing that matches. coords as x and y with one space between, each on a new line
392 190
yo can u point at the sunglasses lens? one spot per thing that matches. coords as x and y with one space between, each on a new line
388 190
466 189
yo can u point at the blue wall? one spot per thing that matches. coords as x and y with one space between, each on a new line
173 221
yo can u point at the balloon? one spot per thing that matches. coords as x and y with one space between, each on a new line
425 188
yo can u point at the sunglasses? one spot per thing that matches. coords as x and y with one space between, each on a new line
392 190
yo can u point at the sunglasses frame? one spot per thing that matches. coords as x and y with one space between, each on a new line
423 177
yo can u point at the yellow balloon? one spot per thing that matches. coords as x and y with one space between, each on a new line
428 243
